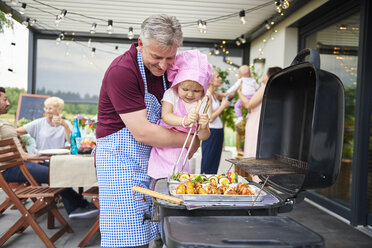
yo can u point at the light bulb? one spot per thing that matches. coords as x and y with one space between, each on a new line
242 16
33 21
93 51
26 22
23 8
109 26
93 28
204 27
285 4
130 33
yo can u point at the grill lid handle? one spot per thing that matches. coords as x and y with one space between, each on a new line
313 59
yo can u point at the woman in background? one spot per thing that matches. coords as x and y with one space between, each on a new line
51 131
254 104
212 147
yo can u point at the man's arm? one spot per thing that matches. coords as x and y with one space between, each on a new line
154 135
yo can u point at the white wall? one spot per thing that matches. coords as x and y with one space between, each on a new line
281 40
14 57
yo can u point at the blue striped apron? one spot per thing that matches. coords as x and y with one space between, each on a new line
121 164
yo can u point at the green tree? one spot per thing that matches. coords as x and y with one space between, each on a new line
5 22
13 96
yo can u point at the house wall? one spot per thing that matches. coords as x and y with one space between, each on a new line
281 44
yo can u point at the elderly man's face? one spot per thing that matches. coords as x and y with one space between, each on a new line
4 103
155 57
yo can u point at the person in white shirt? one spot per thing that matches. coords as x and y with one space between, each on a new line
249 87
51 131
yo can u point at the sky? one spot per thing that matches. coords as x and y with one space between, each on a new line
67 64
14 56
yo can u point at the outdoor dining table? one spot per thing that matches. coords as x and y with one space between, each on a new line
76 171
72 171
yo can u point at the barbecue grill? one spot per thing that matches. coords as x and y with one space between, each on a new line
299 147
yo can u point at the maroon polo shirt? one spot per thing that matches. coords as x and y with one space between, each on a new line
123 91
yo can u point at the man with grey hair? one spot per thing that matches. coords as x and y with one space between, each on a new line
128 110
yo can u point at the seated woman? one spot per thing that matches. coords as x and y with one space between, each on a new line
51 131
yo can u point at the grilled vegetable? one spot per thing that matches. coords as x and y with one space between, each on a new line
223 180
181 189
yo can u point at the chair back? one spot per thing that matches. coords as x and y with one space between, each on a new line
10 157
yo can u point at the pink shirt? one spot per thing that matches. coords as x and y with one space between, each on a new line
123 91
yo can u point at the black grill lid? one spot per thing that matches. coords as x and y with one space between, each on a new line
302 119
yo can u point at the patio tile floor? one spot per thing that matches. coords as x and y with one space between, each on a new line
335 232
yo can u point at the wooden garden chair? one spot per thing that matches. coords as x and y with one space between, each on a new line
44 203
92 192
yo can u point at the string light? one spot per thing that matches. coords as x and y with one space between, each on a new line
278 6
130 33
200 25
242 39
237 42
33 21
61 36
267 25
22 9
93 28
242 15
26 22
204 27
285 4
61 15
109 26
93 51
10 14
216 49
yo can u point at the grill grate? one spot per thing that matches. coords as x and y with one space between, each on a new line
291 161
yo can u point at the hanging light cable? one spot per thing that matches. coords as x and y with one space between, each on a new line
109 26
242 16
93 28
130 33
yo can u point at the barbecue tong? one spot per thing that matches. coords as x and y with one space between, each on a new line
201 108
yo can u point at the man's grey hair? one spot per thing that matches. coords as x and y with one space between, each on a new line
165 30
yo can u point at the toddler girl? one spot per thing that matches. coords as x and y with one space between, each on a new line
190 75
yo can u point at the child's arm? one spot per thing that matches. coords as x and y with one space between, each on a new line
232 90
204 131
170 118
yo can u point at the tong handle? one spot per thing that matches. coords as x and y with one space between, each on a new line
158 195
197 111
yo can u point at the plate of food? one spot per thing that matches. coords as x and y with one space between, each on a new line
54 151
219 187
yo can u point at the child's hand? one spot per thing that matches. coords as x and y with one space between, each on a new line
203 121
225 103
191 117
